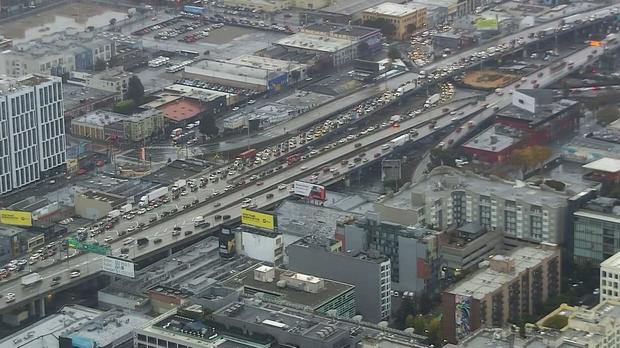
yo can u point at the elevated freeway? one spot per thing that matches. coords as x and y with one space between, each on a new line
230 203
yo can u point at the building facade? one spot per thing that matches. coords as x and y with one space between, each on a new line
508 288
596 235
32 131
106 125
610 278
370 275
448 197
405 19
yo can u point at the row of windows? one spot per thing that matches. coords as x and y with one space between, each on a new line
25 157
155 342
5 183
23 122
26 175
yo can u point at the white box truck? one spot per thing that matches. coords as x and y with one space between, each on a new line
433 99
114 213
400 141
153 195
31 279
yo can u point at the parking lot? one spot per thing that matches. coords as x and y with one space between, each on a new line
211 38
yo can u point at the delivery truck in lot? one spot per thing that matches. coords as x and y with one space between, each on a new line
433 99
31 279
126 208
152 196
400 141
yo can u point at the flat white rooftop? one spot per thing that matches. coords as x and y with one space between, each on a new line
315 42
607 165
391 9
612 262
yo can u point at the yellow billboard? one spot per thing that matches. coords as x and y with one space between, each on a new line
258 219
16 218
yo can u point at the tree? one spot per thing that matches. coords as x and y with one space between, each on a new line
439 157
557 322
607 114
530 156
207 125
393 53
100 64
363 49
409 320
135 90
125 107
295 75
112 21
388 29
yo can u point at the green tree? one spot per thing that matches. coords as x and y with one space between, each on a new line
440 157
207 125
409 320
607 114
393 53
125 107
100 64
112 21
135 90
557 321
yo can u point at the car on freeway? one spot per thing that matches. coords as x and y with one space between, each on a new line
10 297
157 240
75 273
128 241
282 187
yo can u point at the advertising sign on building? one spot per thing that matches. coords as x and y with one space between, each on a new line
119 266
312 191
258 219
15 218
227 247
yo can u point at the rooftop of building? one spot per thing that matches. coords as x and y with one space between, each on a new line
331 29
286 294
31 203
601 208
113 199
441 181
189 92
612 261
234 71
170 292
487 281
329 243
71 39
182 109
313 42
391 9
113 74
266 63
10 84
105 328
543 114
496 138
607 165
349 8
74 96
100 118
302 219
442 3
10 231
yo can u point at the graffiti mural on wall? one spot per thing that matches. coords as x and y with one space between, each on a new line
462 311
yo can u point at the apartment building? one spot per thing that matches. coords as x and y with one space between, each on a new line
32 131
449 197
370 273
610 278
596 235
510 286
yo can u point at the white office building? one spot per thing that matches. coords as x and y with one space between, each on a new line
32 136
610 272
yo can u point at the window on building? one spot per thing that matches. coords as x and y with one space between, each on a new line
152 340
510 222
536 227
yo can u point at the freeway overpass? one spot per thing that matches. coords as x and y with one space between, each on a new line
90 265
338 105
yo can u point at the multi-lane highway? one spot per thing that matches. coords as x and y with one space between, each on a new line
328 109
230 204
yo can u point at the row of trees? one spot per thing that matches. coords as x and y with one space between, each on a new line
530 157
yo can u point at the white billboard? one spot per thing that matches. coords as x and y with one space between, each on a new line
524 101
312 191
118 266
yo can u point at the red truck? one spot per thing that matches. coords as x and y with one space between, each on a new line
293 158
248 154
